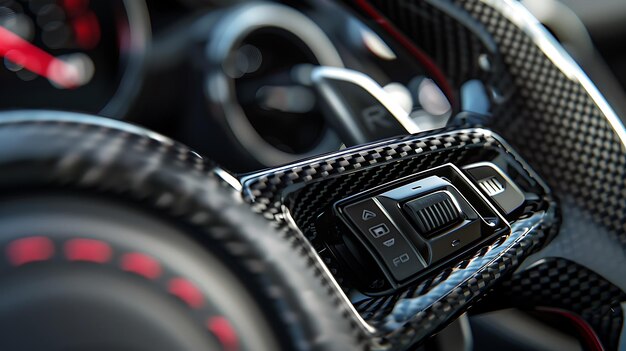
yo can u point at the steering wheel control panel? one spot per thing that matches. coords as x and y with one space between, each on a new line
410 227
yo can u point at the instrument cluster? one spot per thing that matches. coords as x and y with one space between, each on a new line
76 55
250 84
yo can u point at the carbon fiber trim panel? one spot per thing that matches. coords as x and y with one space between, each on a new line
552 114
563 284
300 192
265 190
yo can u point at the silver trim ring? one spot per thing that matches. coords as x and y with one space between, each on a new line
219 89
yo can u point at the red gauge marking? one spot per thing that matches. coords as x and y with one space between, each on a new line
86 30
141 264
186 291
29 56
87 250
35 248
74 7
224 332
422 57
85 25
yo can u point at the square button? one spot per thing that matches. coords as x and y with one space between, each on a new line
379 230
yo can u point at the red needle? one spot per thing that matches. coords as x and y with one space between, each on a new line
27 55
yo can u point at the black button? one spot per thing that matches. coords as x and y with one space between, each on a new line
497 185
433 212
394 249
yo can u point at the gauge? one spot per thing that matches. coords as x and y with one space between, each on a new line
251 54
77 55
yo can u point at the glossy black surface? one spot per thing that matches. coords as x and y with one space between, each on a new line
428 250
497 185
302 195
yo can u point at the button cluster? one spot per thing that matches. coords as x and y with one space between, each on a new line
417 224
392 247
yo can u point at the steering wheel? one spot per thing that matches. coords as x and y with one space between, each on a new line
115 237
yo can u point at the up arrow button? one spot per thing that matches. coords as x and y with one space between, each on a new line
367 215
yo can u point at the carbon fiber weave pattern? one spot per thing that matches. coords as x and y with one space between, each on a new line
320 195
168 178
264 191
409 315
557 128
547 116
560 131
562 284
417 312
549 119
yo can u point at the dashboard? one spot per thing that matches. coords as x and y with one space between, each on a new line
233 77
